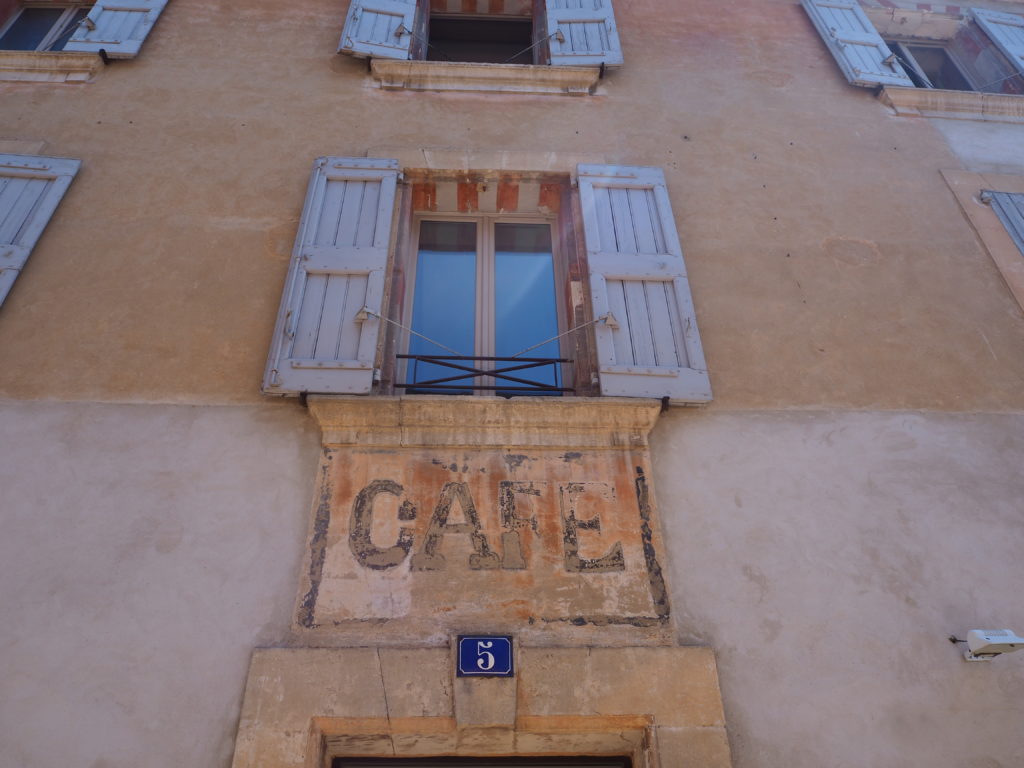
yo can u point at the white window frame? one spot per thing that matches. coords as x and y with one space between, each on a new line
59 27
484 296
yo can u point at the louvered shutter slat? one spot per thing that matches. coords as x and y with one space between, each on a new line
379 28
647 341
118 27
1010 210
328 329
30 190
590 35
859 50
1006 31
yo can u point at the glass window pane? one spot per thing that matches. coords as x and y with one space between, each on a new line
444 299
29 29
69 30
525 311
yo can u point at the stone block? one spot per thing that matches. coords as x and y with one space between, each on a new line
692 748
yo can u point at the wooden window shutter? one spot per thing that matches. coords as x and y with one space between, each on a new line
379 28
859 50
583 33
1010 210
329 322
30 190
118 27
647 340
1006 31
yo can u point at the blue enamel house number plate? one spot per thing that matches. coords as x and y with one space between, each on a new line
485 656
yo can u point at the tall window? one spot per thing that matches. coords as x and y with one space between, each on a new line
485 290
42 28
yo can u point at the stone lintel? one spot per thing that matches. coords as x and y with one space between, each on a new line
48 66
960 105
477 77
439 420
660 706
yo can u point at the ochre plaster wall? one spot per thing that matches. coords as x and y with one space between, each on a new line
829 264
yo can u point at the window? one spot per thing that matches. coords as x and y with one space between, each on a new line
30 190
485 292
112 28
609 304
983 52
42 28
556 32
931 65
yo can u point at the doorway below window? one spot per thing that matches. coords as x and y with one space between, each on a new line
484 762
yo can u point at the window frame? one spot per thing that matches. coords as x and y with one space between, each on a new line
60 26
485 298
899 46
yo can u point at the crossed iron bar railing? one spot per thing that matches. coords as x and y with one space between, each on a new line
455 362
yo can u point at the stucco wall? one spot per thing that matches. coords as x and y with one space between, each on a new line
827 557
146 551
829 264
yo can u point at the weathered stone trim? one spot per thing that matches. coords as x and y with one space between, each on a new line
958 105
304 706
48 66
435 421
487 78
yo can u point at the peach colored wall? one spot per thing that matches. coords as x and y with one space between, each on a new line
829 264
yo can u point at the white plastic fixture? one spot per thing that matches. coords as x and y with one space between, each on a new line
986 644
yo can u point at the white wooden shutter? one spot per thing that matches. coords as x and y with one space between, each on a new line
118 27
327 330
587 30
381 28
1006 31
1010 210
861 53
30 189
647 340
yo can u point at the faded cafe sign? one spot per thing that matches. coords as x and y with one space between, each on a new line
456 535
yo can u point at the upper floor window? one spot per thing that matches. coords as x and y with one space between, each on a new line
42 28
112 28
500 285
983 51
557 32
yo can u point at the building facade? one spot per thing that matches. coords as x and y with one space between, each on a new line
680 342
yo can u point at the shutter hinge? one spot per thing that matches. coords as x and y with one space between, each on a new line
376 375
364 314
88 23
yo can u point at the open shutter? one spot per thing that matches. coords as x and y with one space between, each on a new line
381 28
116 26
1006 31
583 33
858 48
30 190
1010 210
647 340
329 322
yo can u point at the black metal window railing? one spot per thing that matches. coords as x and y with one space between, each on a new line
460 374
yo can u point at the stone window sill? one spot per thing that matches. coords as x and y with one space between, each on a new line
484 78
48 66
957 105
